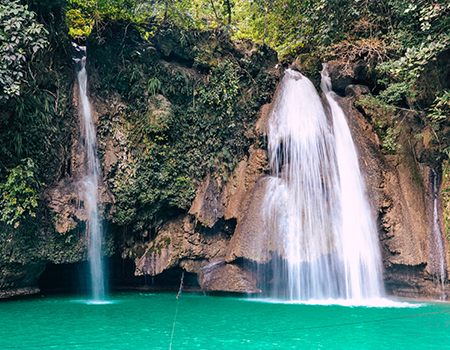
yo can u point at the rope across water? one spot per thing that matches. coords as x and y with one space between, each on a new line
176 311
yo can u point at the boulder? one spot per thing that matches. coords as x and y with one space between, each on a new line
222 277
343 74
179 243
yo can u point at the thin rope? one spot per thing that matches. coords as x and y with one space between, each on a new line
176 311
181 285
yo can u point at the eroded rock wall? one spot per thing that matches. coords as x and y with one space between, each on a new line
213 235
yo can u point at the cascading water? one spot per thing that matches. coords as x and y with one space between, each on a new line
89 187
358 231
314 204
438 261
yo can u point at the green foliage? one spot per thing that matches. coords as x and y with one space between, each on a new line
83 16
78 25
383 119
303 25
181 124
389 140
36 128
154 85
378 108
221 92
21 38
440 110
403 73
438 119
19 194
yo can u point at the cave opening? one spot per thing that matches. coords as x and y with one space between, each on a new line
72 278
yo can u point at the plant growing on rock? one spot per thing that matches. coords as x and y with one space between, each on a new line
21 38
19 195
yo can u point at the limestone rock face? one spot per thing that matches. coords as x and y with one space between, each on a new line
216 199
21 280
180 243
202 237
209 204
221 277
250 240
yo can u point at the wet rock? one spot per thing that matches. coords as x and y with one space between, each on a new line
195 250
250 240
209 203
227 278
216 199
236 190
179 243
414 282
262 125
18 292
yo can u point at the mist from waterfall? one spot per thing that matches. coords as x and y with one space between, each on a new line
315 206
89 188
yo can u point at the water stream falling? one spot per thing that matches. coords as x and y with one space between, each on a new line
315 200
89 187
438 261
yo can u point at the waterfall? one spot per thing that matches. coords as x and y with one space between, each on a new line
89 188
315 207
438 261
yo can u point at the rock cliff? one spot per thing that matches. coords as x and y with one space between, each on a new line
181 124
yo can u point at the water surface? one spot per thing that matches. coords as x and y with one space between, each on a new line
145 321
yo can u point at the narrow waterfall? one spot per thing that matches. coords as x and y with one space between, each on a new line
358 231
438 261
89 188
315 207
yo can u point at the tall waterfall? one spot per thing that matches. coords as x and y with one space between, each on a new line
89 187
315 204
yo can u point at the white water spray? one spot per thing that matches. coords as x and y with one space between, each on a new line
89 188
359 234
314 204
